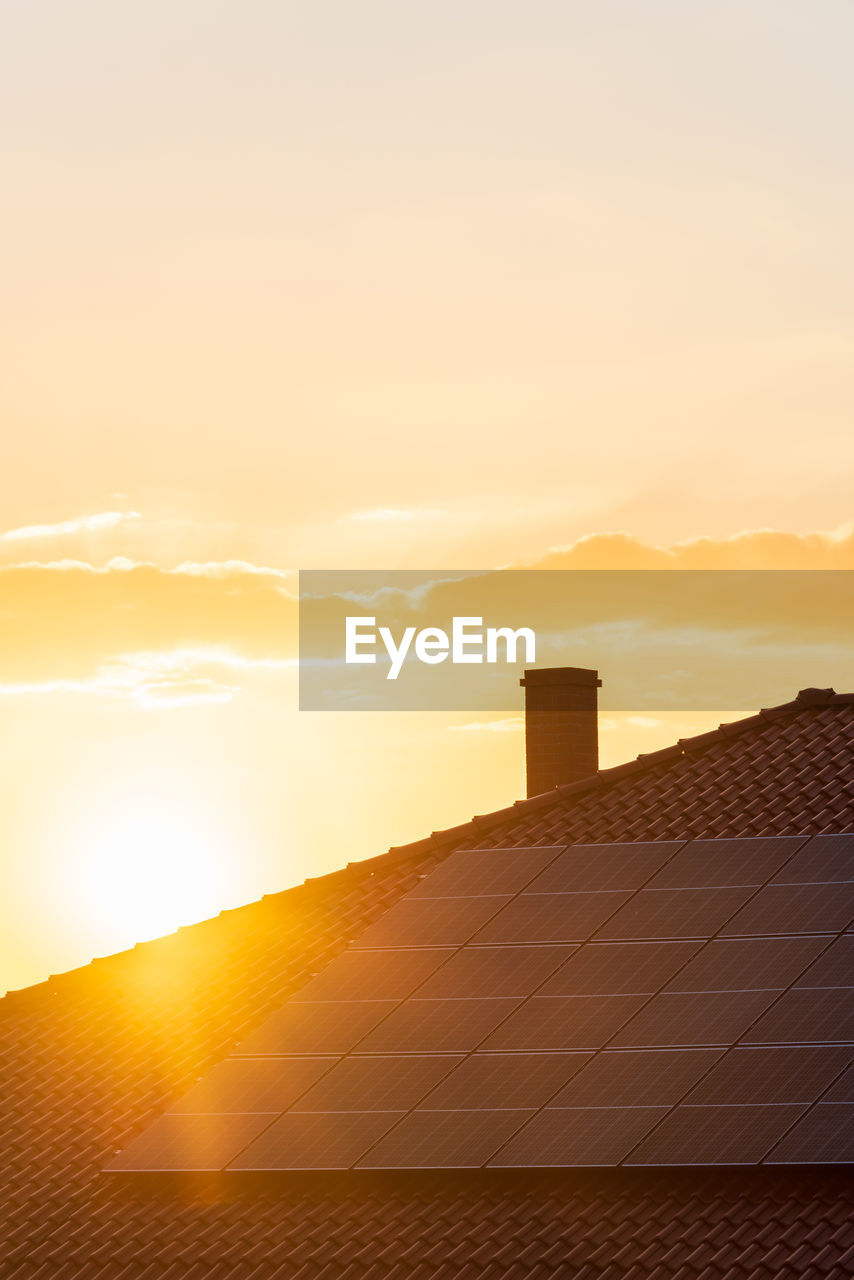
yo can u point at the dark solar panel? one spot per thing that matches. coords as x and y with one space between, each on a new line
362 1083
801 908
673 913
311 1140
373 975
437 1026
843 1089
547 917
495 971
705 1018
715 1135
587 867
472 872
504 1080
429 922
189 1143
619 968
807 1014
745 963
333 1027
636 1078
253 1084
793 1073
444 1140
824 858
569 1022
705 863
824 1136
582 1136
834 967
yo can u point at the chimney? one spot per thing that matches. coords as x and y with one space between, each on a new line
561 726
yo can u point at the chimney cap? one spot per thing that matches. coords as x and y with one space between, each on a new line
583 676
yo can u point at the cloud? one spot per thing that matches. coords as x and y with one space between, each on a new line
103 520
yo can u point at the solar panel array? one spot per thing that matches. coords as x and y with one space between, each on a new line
662 1003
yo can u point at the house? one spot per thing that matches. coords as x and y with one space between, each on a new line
105 1171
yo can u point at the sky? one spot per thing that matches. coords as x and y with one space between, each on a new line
376 286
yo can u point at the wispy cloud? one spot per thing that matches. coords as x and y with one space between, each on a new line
67 528
383 514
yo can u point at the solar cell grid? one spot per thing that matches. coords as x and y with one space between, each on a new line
253 1084
189 1143
738 964
823 858
331 1027
802 908
704 1018
825 1135
788 1074
568 1022
437 1026
715 1135
559 917
444 1139
578 1137
619 968
673 913
310 1140
473 872
709 863
373 975
387 1083
429 922
495 1080
495 971
591 867
824 1015
842 1090
833 968
636 1078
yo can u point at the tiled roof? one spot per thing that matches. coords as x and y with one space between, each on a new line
89 1058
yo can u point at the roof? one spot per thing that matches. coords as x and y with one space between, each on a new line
92 1057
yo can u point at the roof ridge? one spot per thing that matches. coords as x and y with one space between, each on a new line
810 699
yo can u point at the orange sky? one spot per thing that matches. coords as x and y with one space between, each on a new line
376 286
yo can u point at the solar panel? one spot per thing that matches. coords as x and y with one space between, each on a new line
793 1073
843 1089
579 1136
312 1140
673 913
590 867
495 971
706 863
189 1143
362 1083
546 917
472 872
807 1014
373 975
834 967
437 1026
253 1084
429 922
824 858
504 1080
738 964
333 1027
636 1078
705 1018
619 968
802 908
824 1136
444 1140
715 1135
568 1022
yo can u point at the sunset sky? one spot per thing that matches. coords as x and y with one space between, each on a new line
378 285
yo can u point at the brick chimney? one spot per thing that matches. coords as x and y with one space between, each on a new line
561 726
